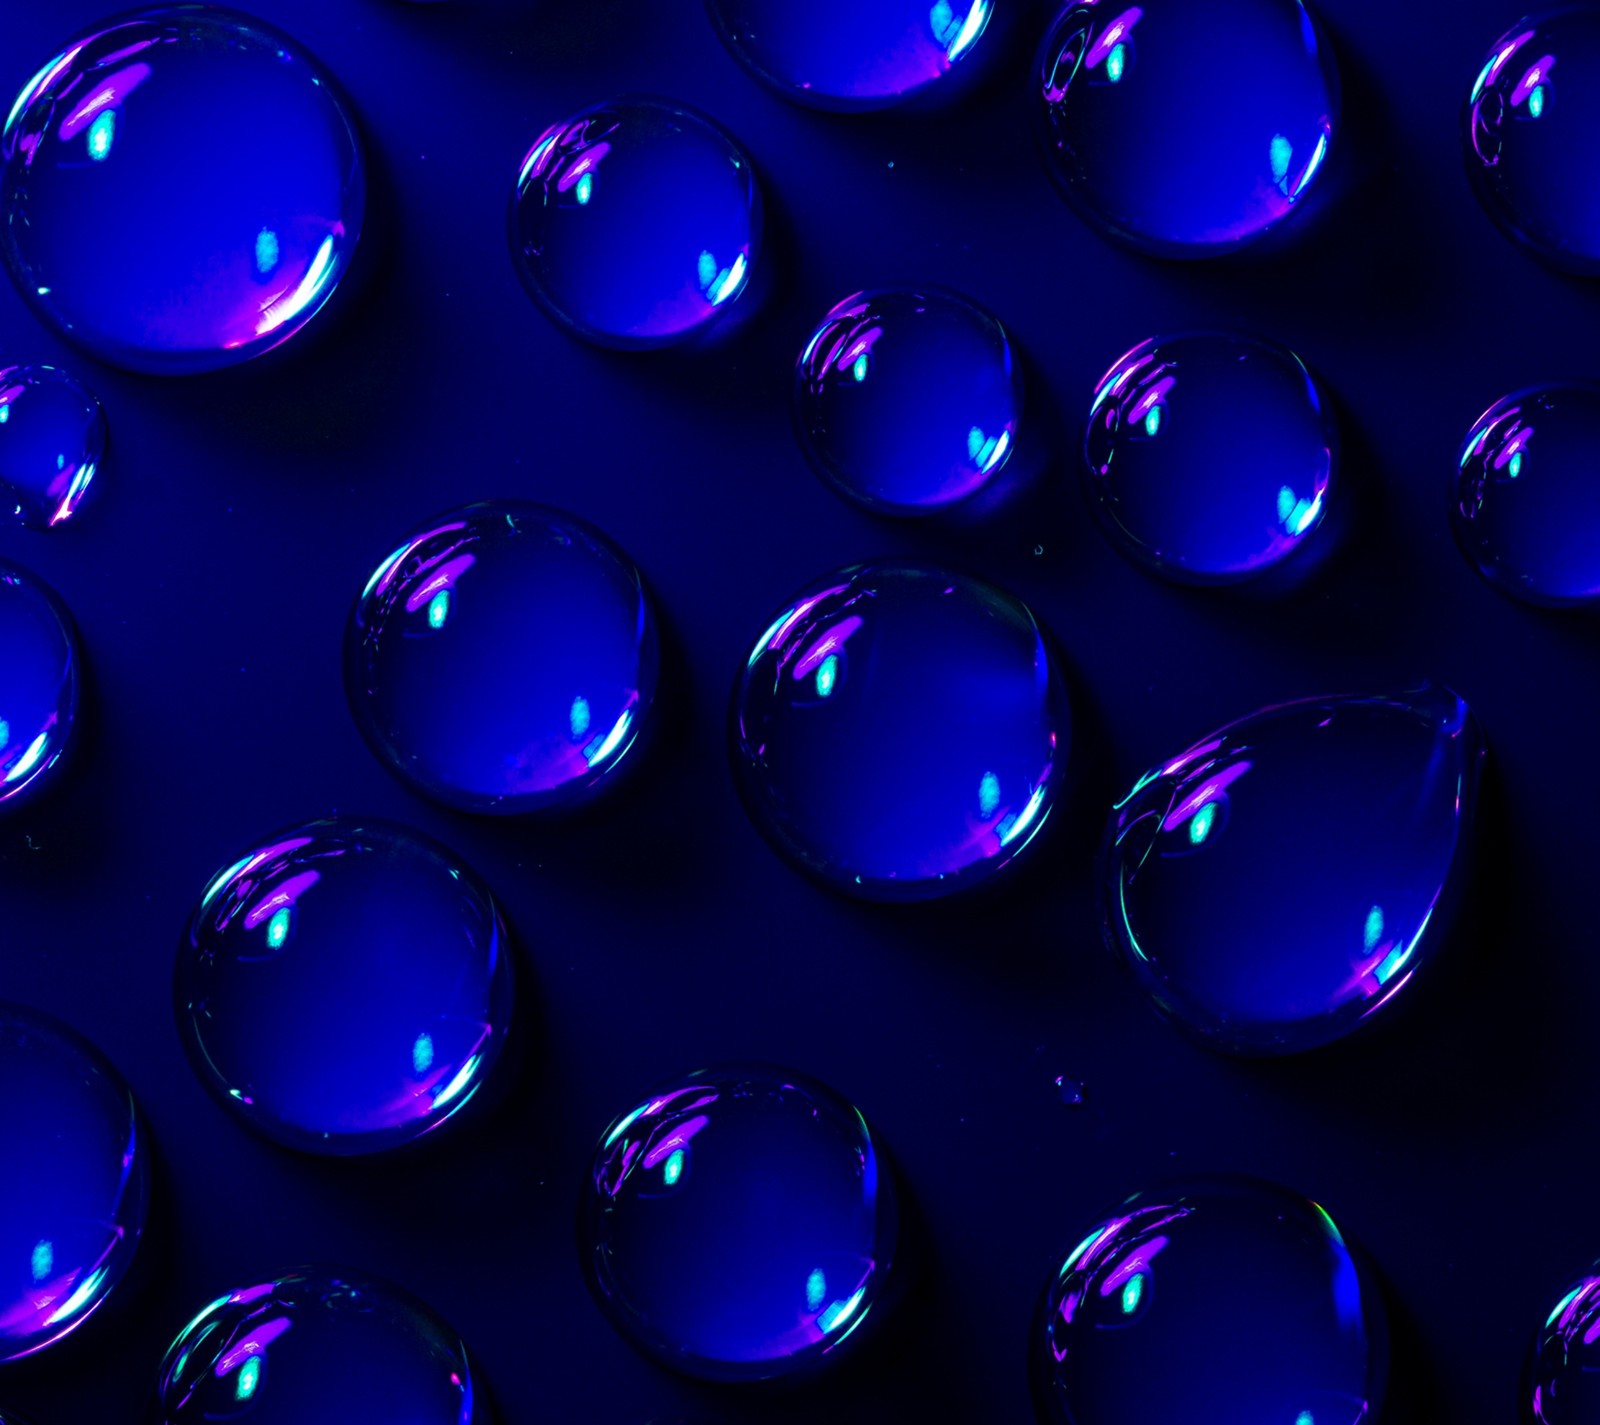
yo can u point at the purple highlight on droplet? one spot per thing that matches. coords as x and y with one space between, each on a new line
1114 33
260 1338
678 1138
830 642
112 91
1536 74
1213 788
443 577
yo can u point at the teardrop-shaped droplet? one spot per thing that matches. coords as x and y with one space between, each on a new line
1562 1383
318 1346
738 1223
52 440
1182 129
1283 879
1215 1301
39 678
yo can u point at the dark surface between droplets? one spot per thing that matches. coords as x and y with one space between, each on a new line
212 582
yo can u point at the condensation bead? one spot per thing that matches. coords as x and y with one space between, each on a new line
39 687
1561 1385
52 440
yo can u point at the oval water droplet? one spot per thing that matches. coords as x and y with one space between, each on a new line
1561 1385
52 441
39 683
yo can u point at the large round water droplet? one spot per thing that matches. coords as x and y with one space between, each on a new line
1209 457
840 54
907 400
344 987
52 440
635 223
318 1346
738 1223
1277 884
75 1186
504 659
39 677
900 731
182 189
1216 1301
1185 130
1562 1382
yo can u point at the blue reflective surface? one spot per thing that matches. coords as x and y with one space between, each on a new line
1281 881
738 1223
1561 1384
1215 1301
1525 504
182 189
907 400
52 440
840 54
504 659
344 986
318 1346
635 223
900 731
75 1185
1185 130
1209 457
39 683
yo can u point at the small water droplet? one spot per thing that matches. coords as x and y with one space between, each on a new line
1069 1091
39 686
1562 1381
52 442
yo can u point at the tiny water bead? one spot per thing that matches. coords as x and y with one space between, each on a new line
318 1346
738 1223
1185 130
1209 457
1216 1301
344 987
907 399
39 686
1561 1385
75 1188
635 223
181 189
52 440
504 659
1278 883
899 731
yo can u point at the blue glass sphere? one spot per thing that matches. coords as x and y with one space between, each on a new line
1216 1301
39 686
738 1223
1209 457
907 399
1185 130
217 152
899 731
843 55
76 1182
318 1346
344 987
635 223
504 659
1561 1384
52 440
1277 884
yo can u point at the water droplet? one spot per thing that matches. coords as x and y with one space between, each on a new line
846 56
907 400
344 986
317 1346
635 223
150 166
1185 130
504 659
1282 880
39 679
900 731
1562 1382
1069 1091
738 1224
1238 1293
52 441
1209 457
1524 505
76 1185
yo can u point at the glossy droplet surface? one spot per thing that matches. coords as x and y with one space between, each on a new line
1562 1383
1282 880
504 659
39 684
75 1188
344 986
52 440
182 189
900 731
1185 130
318 1346
1209 457
906 401
635 223
1216 1301
837 54
738 1223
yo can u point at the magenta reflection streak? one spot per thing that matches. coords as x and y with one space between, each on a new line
255 1344
678 1138
1536 73
285 893
1116 31
113 90
1213 787
832 640
441 576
